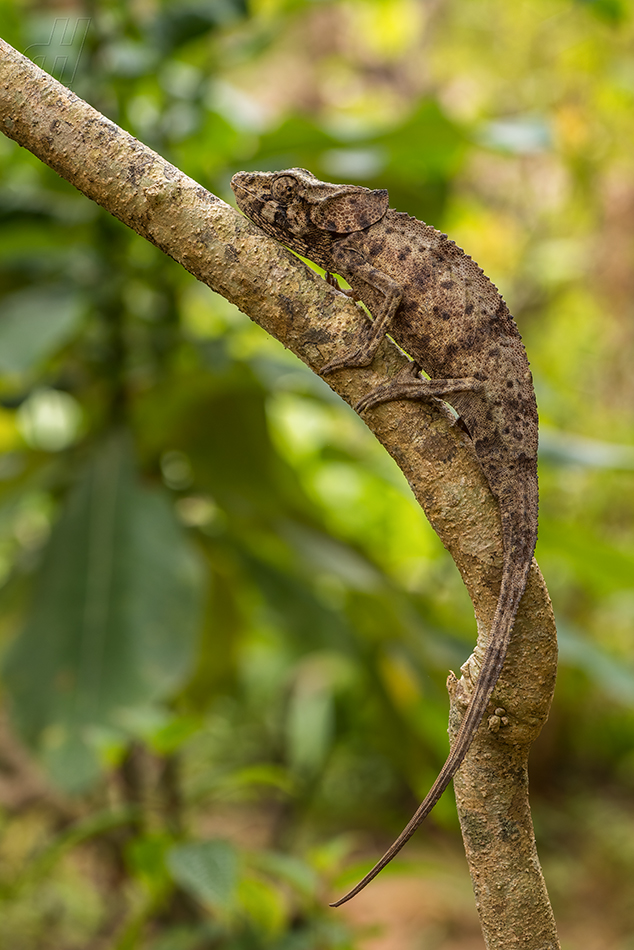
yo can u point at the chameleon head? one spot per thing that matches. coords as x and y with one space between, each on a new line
300 210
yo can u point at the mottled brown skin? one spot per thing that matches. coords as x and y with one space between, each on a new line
437 304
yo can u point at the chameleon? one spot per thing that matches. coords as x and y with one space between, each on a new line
436 303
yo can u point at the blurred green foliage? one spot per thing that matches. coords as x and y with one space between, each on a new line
225 624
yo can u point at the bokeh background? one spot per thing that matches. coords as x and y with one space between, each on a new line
225 625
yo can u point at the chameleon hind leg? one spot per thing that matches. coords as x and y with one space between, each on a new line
409 385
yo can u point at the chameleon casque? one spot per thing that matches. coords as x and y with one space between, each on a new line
437 304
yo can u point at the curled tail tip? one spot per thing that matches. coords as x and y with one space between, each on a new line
342 900
487 680
356 890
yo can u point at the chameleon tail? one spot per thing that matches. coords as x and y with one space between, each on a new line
512 588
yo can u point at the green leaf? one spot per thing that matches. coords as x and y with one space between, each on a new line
262 774
114 614
310 724
613 12
180 23
602 669
33 324
287 868
296 139
145 857
208 870
69 761
592 558
428 145
263 905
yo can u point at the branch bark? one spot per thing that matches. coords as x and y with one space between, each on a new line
229 254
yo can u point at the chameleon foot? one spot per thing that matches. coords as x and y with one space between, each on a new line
394 389
408 385
353 359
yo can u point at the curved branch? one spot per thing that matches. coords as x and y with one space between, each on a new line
228 253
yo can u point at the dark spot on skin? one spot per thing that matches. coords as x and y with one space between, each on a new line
506 430
495 351
445 316
451 349
482 444
469 308
447 284
509 383
403 254
389 230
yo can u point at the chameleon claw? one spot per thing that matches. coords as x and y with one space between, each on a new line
355 360
376 397
330 367
366 402
394 389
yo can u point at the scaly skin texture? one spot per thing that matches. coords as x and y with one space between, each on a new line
438 305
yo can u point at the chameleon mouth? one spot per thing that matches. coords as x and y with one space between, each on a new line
239 186
241 181
246 196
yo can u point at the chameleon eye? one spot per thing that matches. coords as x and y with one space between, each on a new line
284 188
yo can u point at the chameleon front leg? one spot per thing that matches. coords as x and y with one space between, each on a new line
409 385
351 263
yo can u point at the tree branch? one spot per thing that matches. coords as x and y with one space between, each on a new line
314 320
